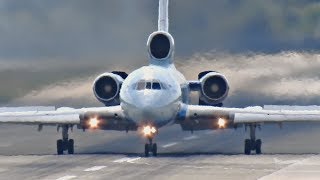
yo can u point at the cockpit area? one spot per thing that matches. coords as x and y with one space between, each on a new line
150 84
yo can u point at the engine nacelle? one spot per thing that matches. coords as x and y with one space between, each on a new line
214 87
160 46
106 88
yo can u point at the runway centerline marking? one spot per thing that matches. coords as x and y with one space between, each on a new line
67 177
94 168
190 138
169 145
127 159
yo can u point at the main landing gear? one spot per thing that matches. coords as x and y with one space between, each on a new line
252 144
65 144
150 147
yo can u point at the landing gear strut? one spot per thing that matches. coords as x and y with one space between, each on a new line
150 147
65 144
252 144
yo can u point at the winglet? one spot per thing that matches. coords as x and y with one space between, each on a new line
163 20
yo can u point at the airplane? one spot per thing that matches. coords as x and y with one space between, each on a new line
158 95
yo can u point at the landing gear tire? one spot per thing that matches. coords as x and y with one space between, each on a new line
65 144
70 146
154 149
60 147
252 144
258 146
247 147
146 150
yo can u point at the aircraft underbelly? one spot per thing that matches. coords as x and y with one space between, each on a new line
158 116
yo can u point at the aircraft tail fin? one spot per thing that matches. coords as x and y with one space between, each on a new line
163 19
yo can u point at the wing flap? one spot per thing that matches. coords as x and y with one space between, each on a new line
61 115
195 117
274 118
39 118
288 107
27 108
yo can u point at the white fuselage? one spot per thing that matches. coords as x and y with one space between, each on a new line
149 103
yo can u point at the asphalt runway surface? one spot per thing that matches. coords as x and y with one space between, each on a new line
290 153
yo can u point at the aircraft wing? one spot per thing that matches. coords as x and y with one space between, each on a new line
27 108
66 116
195 117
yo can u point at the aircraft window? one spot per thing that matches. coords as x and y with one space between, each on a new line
148 86
141 85
156 85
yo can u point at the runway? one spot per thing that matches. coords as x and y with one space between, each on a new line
288 153
164 167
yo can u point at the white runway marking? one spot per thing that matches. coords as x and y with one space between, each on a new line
190 138
95 168
277 161
129 160
67 177
195 167
169 145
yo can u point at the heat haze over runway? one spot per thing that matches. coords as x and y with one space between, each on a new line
290 152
